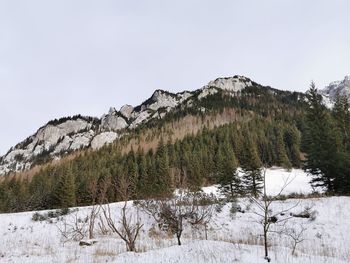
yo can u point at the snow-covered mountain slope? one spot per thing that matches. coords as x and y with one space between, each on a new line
230 237
334 89
60 137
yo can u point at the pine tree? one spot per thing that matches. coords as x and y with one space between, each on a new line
164 182
64 193
251 167
40 187
143 174
195 179
230 183
132 173
292 144
322 143
341 114
282 157
151 185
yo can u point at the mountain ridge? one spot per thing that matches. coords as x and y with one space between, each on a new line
334 89
62 136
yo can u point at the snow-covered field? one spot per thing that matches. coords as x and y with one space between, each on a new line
296 181
231 237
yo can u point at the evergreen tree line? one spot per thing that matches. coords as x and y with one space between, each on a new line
327 143
211 156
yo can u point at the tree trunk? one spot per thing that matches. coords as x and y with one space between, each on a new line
255 186
131 246
294 247
265 245
91 232
92 224
178 235
266 221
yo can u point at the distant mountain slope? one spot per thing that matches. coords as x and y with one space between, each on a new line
60 137
336 88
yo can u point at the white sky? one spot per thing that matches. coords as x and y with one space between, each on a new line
65 57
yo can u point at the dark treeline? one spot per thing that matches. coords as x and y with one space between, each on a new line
212 156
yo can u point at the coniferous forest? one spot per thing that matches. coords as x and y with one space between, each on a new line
271 128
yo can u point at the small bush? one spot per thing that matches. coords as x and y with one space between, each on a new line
64 211
236 208
308 213
38 217
51 215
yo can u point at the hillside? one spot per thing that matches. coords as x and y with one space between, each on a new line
199 138
258 124
59 138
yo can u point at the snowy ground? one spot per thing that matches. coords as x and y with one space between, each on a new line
296 180
231 238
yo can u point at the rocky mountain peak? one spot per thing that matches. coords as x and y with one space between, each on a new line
233 84
336 88
112 111
163 99
126 111
113 121
158 94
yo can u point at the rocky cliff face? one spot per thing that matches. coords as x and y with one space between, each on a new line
56 138
336 88
60 137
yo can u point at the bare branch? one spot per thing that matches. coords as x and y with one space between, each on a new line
128 227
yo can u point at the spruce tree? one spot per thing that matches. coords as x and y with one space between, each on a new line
40 187
64 192
251 167
195 179
292 144
341 114
142 172
229 181
282 157
321 143
131 173
164 182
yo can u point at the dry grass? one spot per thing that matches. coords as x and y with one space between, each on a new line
104 252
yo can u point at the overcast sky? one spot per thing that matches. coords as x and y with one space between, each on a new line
65 57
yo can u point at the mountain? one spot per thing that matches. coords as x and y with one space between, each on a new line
63 136
193 138
336 88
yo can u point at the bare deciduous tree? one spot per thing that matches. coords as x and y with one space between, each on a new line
128 226
95 196
73 228
296 235
172 212
267 217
